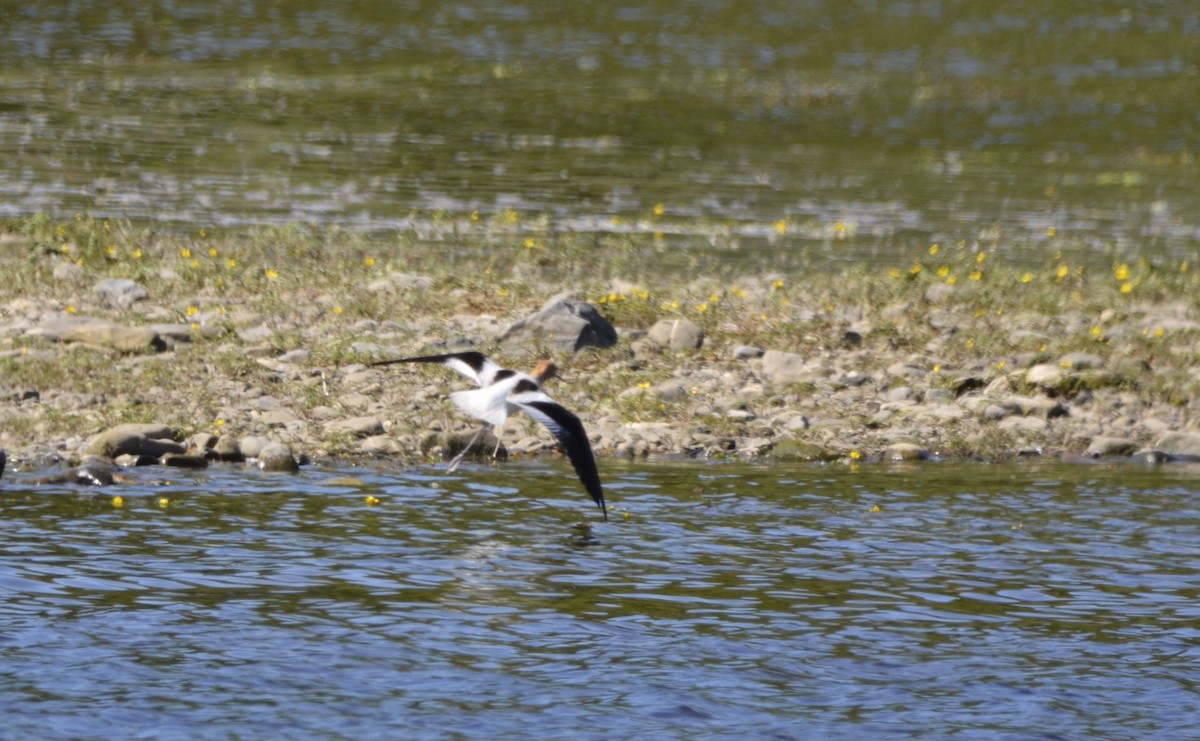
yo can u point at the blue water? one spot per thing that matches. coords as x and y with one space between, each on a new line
976 602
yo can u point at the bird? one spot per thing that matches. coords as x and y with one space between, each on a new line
502 391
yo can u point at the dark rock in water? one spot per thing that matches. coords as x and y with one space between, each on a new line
564 322
129 460
94 472
277 457
1151 456
183 460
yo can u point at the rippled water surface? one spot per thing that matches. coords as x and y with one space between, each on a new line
941 601
861 129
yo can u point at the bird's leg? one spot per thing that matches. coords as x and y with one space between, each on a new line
496 452
463 453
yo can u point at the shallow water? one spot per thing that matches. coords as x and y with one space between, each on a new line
860 130
1033 600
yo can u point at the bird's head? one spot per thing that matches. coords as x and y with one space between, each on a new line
545 370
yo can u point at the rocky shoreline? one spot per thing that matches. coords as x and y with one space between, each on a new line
171 372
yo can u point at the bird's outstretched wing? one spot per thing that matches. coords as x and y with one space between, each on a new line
473 365
569 432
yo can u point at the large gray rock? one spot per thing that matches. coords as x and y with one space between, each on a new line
565 322
136 439
356 427
277 457
1179 443
1102 447
677 334
783 367
115 336
120 292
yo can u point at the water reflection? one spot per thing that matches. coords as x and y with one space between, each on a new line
762 127
934 600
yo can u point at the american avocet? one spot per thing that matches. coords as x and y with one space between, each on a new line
502 391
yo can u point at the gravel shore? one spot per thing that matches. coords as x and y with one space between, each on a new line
899 365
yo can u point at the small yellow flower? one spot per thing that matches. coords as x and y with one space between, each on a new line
272 273
875 509
369 261
1000 365
372 500
195 263
191 311
916 268
185 253
952 280
933 249
643 384
855 455
203 232
894 272
1159 332
659 209
510 216
117 501
1121 272
981 258
137 254
231 263
1184 266
1051 232
65 248
503 293
70 309
781 226
937 368
111 250
702 308
1027 278
1126 287
970 343
1096 330
1062 271
163 501
778 284
212 252
943 271
195 326
530 243
976 275
337 310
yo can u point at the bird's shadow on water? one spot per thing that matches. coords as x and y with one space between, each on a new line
581 536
